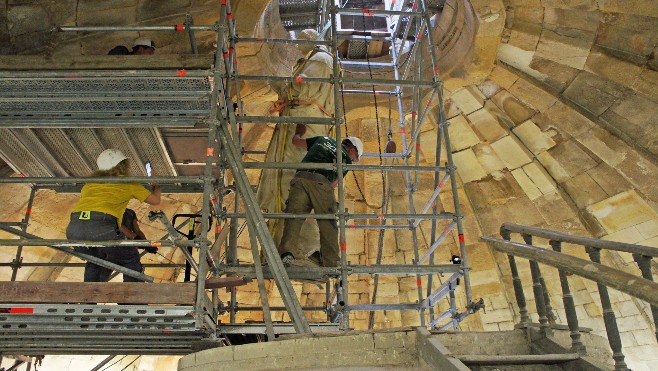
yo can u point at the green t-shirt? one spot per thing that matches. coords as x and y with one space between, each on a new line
323 150
110 198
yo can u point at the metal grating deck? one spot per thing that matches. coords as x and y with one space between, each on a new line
98 329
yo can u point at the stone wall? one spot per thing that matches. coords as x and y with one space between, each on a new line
387 350
526 157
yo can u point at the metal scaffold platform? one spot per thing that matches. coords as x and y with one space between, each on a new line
93 100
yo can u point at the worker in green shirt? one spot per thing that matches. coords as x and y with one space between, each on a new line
313 189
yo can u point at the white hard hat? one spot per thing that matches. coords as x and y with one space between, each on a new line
109 159
144 41
356 142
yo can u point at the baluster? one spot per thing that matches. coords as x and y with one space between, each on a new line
516 281
538 290
644 263
609 316
569 307
547 301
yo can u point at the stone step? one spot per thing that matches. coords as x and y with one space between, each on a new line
517 359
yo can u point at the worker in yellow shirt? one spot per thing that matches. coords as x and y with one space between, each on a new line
98 215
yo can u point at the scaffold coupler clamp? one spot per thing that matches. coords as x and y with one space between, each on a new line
474 306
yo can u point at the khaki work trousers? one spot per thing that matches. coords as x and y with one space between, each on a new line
306 195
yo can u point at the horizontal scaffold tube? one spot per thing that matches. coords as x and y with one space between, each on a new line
106 179
112 243
326 166
349 216
378 12
280 41
306 272
179 27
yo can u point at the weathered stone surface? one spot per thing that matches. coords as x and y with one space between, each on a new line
533 138
609 179
503 77
525 35
105 13
149 9
646 84
490 162
468 167
635 117
622 211
490 192
531 190
511 152
594 93
630 37
518 210
24 19
515 109
532 95
489 88
583 190
486 125
564 49
613 69
572 22
461 134
605 146
499 115
564 118
553 167
626 7
572 158
468 100
554 209
540 177
571 5
556 76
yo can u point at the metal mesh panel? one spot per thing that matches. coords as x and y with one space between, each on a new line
19 156
104 107
39 151
60 147
130 86
149 147
88 144
357 49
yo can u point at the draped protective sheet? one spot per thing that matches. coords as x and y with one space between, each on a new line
274 184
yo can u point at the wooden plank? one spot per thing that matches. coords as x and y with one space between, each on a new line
98 292
219 282
105 62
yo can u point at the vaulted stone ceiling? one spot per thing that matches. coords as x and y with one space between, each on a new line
552 104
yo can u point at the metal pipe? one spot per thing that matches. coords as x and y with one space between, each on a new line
177 27
26 220
107 179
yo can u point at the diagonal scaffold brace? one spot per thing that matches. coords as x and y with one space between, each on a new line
258 226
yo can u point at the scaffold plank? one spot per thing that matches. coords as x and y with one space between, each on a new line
98 292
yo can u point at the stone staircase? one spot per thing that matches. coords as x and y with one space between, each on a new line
511 350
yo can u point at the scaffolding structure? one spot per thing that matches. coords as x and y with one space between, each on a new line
410 77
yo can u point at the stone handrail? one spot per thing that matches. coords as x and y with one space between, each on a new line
585 241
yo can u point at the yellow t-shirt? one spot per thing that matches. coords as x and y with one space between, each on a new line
110 198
